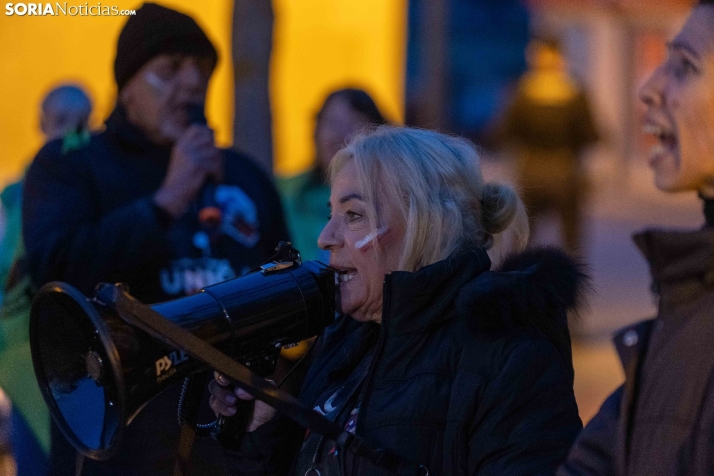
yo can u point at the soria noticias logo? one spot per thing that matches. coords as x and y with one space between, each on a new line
65 9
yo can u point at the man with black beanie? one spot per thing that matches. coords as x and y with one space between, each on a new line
151 202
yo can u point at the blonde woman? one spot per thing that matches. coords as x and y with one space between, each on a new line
452 367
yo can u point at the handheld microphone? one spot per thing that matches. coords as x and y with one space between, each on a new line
196 114
210 215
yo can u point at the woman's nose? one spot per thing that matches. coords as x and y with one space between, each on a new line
328 236
191 76
650 91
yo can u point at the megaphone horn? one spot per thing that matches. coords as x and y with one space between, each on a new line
96 371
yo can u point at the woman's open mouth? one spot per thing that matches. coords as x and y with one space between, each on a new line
343 275
343 278
667 139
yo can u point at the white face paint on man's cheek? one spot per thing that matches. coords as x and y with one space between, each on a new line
157 84
170 123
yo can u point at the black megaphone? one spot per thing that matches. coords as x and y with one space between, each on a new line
96 372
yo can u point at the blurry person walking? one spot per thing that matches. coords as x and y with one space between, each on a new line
64 116
549 123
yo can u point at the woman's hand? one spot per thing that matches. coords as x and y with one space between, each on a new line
223 401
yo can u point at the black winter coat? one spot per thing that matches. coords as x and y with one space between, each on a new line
472 372
661 421
88 217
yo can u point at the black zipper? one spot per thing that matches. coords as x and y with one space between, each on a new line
362 401
366 390
378 350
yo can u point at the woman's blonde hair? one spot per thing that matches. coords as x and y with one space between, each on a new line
435 180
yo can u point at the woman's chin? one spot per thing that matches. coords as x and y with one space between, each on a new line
359 317
356 312
663 185
668 184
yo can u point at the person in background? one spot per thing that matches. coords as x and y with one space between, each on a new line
661 420
7 460
452 367
64 115
64 112
20 453
343 113
549 123
150 201
65 109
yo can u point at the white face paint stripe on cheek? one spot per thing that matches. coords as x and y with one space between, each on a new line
154 81
370 237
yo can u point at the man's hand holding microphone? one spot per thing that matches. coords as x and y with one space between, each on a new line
195 161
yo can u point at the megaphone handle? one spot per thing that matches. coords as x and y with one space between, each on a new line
229 431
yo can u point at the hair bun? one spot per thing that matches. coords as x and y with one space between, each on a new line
499 204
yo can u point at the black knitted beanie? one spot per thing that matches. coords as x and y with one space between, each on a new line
153 31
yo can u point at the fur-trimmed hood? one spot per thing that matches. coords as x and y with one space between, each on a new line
529 288
533 289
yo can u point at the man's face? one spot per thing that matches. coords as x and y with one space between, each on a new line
156 97
680 109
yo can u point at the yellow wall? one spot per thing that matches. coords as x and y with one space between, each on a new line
319 45
40 51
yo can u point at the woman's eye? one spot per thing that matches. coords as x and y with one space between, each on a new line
684 67
352 216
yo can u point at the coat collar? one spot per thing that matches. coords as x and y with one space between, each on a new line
414 301
677 255
534 288
129 136
681 263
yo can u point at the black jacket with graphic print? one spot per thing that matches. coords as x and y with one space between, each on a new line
88 217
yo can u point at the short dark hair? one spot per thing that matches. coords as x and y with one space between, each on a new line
360 101
548 41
